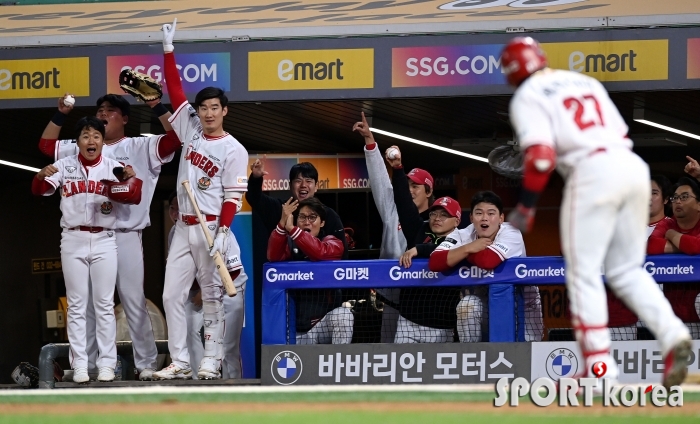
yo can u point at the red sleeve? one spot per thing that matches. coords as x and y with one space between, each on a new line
328 249
486 259
277 247
657 240
656 245
168 144
371 146
690 245
40 187
438 261
228 211
48 147
172 81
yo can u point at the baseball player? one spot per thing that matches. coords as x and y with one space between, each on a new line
146 155
486 242
88 242
234 310
567 119
215 163
393 241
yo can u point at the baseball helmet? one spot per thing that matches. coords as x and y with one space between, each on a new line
522 57
127 192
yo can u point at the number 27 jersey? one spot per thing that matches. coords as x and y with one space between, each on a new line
570 112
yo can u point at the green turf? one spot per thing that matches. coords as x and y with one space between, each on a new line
339 418
273 397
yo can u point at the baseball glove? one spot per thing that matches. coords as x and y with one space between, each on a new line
139 85
26 375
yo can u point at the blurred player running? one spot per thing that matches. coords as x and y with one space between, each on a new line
567 119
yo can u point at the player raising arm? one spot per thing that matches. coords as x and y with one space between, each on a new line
566 118
215 164
146 155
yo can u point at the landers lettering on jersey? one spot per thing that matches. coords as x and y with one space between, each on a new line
203 163
78 187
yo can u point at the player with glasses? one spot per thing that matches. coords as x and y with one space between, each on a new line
318 320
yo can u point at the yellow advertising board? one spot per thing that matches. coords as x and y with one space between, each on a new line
311 69
633 60
44 78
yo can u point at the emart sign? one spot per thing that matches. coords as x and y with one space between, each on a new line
44 78
311 69
607 61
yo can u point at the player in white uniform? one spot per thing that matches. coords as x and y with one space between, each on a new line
146 156
486 242
216 165
234 310
567 119
88 245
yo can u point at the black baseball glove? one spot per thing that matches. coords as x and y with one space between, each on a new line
26 375
139 85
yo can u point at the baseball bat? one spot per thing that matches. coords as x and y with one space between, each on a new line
220 265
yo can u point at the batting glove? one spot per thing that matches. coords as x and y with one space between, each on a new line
168 35
522 218
220 242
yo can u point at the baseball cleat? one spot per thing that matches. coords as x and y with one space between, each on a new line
209 369
146 374
173 372
676 364
106 374
80 375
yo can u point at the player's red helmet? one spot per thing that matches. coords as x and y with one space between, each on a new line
522 57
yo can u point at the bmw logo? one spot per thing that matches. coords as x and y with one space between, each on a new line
561 363
286 368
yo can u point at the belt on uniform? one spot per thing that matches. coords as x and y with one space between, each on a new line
90 229
192 219
598 150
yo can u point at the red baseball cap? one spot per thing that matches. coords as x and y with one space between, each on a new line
450 205
421 176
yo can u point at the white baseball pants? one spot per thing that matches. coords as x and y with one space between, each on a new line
90 259
130 282
334 328
409 332
604 218
188 259
234 313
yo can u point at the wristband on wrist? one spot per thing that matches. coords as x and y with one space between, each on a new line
160 110
59 118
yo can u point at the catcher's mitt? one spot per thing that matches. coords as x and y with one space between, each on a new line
139 85
507 161
26 375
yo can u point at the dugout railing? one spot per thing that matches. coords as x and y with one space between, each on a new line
505 317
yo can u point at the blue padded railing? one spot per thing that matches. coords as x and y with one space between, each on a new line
282 276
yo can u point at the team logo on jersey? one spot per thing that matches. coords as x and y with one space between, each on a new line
70 169
212 227
110 234
195 137
66 141
106 208
561 363
193 113
286 368
204 183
